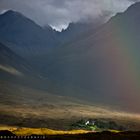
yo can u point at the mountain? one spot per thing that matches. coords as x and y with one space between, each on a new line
30 40
23 35
102 67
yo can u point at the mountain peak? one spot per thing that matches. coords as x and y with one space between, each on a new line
12 16
12 13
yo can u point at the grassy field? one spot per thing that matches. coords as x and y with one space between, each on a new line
47 134
40 131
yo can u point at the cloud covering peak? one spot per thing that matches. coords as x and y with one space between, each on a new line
59 13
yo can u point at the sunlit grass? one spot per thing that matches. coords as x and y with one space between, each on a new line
115 131
44 131
40 131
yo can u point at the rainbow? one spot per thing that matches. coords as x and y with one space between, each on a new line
121 64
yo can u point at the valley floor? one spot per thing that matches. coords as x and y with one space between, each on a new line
24 107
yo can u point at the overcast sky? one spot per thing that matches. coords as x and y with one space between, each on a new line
59 13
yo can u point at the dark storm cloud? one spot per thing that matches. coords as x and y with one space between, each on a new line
59 13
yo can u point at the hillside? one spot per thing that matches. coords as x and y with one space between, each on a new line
102 67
